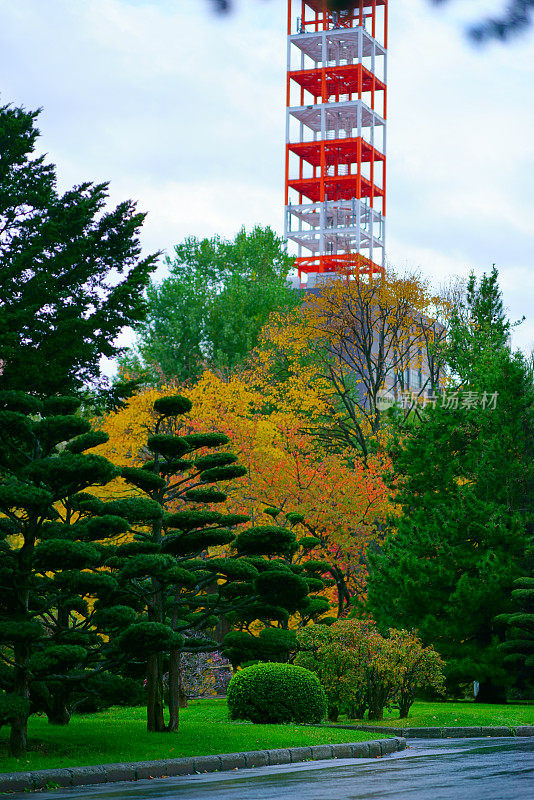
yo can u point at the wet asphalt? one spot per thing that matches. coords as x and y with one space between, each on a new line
447 769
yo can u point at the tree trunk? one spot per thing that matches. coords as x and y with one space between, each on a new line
406 699
343 597
333 713
174 690
57 711
18 739
154 685
59 715
376 712
490 693
357 711
222 628
154 674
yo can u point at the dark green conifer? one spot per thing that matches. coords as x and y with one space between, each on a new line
54 538
287 585
71 273
465 493
518 646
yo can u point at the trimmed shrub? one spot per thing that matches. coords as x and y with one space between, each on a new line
275 693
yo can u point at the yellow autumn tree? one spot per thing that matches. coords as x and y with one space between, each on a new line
332 358
343 503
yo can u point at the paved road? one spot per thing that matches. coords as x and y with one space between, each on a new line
465 769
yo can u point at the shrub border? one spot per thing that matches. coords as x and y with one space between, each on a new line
140 770
440 732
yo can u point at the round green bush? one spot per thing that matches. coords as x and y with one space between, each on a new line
275 693
173 405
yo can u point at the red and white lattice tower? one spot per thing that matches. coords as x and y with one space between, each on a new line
336 137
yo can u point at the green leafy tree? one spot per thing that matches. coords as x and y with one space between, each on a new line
336 653
213 304
54 539
465 493
360 669
417 668
71 273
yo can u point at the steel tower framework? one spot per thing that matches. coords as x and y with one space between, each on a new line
335 180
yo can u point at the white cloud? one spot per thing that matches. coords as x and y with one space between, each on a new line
183 110
177 209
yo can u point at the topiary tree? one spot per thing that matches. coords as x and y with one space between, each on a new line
276 693
174 570
287 587
183 570
54 539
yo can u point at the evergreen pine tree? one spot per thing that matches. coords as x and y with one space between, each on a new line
519 644
54 538
465 496
286 590
71 274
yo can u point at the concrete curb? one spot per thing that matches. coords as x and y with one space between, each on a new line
139 770
441 733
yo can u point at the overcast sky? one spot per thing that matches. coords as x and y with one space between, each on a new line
183 111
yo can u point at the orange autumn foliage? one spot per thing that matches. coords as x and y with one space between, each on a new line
344 503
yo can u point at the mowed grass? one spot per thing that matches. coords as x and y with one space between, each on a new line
446 715
119 734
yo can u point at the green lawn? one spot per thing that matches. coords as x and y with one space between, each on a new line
455 714
119 734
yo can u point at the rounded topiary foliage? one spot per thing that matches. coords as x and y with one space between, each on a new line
274 693
173 405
